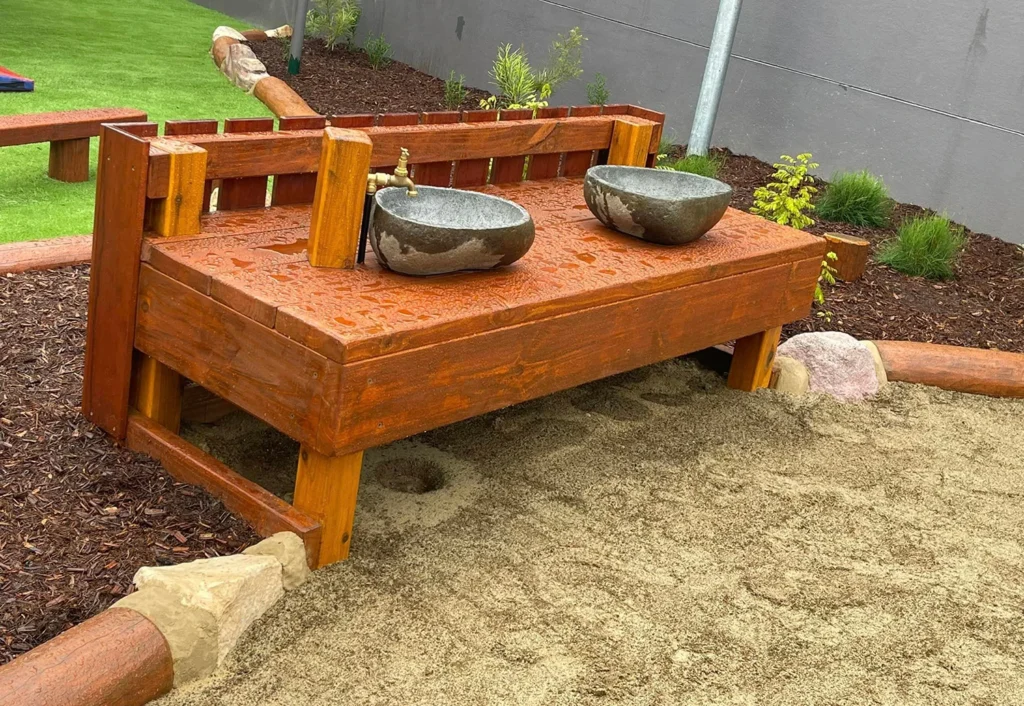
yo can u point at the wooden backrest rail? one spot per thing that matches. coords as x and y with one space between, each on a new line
31 128
298 152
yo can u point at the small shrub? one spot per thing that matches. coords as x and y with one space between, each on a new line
597 91
379 51
333 21
454 91
704 165
858 198
565 62
826 276
520 87
787 198
924 247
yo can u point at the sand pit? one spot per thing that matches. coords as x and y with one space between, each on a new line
658 539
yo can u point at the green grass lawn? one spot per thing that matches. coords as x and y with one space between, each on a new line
147 54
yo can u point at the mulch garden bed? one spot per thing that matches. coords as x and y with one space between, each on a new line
340 81
78 515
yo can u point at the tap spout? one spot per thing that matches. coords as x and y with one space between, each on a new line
400 178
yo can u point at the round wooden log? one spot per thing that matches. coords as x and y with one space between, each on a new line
974 370
117 658
281 99
255 35
45 254
852 254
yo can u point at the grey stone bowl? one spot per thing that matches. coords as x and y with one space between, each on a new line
658 205
447 230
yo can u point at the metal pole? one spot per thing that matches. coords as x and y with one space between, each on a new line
298 33
714 76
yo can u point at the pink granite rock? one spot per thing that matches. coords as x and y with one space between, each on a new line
838 363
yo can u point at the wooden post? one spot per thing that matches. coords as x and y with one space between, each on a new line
156 392
69 160
630 143
326 489
338 203
179 213
851 255
752 360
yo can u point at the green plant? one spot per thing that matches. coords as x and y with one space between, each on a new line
926 246
333 21
454 91
704 165
828 276
858 198
565 62
597 91
379 51
520 87
787 198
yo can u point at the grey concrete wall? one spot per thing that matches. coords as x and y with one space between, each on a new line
265 14
929 94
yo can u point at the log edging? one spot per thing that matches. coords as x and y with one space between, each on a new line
45 254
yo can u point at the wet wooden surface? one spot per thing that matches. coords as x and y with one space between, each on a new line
254 262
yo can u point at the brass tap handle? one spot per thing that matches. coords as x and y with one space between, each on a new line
402 169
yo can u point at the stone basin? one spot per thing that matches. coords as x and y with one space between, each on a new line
658 205
447 230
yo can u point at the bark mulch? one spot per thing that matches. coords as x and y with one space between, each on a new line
341 81
78 515
983 307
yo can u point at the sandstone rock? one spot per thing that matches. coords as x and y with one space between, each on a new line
883 377
190 630
839 364
235 590
790 375
287 548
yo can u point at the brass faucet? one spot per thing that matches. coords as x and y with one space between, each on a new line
400 178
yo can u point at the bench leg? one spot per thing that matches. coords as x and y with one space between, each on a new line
69 160
156 392
326 489
752 360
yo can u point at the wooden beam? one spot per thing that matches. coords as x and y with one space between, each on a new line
338 203
178 213
156 392
630 142
69 160
113 284
325 489
752 360
267 513
249 191
296 188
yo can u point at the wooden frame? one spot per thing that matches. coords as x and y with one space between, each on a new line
154 323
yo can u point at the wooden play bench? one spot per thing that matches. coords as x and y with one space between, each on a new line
68 133
346 359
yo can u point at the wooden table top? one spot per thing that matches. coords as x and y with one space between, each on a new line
255 263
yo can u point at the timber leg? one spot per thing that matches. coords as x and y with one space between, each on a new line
326 489
69 160
752 360
156 392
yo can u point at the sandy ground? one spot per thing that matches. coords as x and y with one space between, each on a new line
658 539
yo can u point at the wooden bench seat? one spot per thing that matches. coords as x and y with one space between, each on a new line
68 132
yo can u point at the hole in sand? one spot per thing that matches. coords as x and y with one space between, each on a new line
409 475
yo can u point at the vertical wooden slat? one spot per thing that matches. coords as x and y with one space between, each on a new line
436 173
326 489
113 282
752 360
338 203
510 169
395 120
474 172
630 144
179 212
296 188
156 392
659 118
577 163
545 166
194 127
246 192
351 121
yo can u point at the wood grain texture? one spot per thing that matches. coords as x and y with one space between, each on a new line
251 366
630 142
436 173
467 376
325 489
280 98
238 155
547 166
658 119
267 513
576 163
113 283
200 406
296 188
340 194
353 120
156 392
194 127
69 160
45 254
249 191
29 128
508 170
117 658
178 213
973 370
852 254
473 172
752 360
